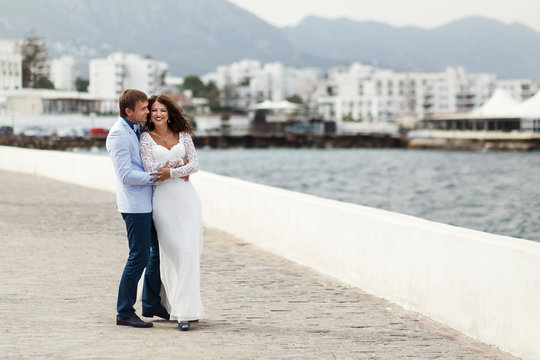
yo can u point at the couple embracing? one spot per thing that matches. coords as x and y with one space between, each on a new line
153 155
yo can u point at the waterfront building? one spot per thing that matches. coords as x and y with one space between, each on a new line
10 65
361 97
502 122
450 91
36 102
501 113
365 98
61 73
119 71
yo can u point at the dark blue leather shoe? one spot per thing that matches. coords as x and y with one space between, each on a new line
159 312
134 321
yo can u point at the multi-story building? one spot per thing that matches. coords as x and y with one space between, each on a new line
519 89
61 73
450 91
110 76
245 83
10 65
360 96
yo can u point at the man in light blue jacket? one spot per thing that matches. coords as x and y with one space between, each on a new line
134 202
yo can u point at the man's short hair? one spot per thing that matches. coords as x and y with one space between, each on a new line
129 99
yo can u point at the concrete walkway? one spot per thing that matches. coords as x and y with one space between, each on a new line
63 250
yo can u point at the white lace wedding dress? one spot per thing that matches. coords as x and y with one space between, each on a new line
177 218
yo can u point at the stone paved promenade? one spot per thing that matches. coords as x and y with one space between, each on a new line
63 250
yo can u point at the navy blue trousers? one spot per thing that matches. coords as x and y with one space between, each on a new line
143 253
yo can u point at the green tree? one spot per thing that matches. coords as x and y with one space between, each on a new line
228 94
81 84
195 84
245 81
43 83
162 77
35 69
329 90
295 99
209 91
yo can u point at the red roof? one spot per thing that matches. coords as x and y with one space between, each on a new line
179 98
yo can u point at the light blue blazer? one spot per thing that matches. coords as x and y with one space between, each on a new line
133 184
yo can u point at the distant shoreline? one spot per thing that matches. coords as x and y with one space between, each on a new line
221 141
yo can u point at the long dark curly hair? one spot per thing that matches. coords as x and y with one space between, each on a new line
178 120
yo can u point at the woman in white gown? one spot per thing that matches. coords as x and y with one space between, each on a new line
176 208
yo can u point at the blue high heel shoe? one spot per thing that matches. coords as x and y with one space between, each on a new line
184 326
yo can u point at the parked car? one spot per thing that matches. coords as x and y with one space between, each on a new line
69 132
37 131
299 129
6 130
98 132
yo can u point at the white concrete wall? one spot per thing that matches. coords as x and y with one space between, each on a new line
92 171
486 286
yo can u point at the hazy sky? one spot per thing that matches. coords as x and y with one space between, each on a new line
422 13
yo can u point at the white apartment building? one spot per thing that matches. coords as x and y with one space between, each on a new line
61 73
360 96
236 73
360 93
520 89
119 71
245 83
240 84
10 65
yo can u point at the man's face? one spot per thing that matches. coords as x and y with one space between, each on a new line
138 115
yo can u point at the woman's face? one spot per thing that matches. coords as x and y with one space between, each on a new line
159 114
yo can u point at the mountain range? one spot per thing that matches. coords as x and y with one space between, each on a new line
478 44
195 36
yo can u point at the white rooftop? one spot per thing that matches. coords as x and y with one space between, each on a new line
530 108
500 104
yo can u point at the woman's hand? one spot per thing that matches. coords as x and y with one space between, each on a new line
164 173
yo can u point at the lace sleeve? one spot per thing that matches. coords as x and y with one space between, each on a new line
193 161
146 154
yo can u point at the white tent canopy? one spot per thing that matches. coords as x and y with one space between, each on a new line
530 108
500 104
275 105
287 105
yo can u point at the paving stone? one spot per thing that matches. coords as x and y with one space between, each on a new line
62 254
